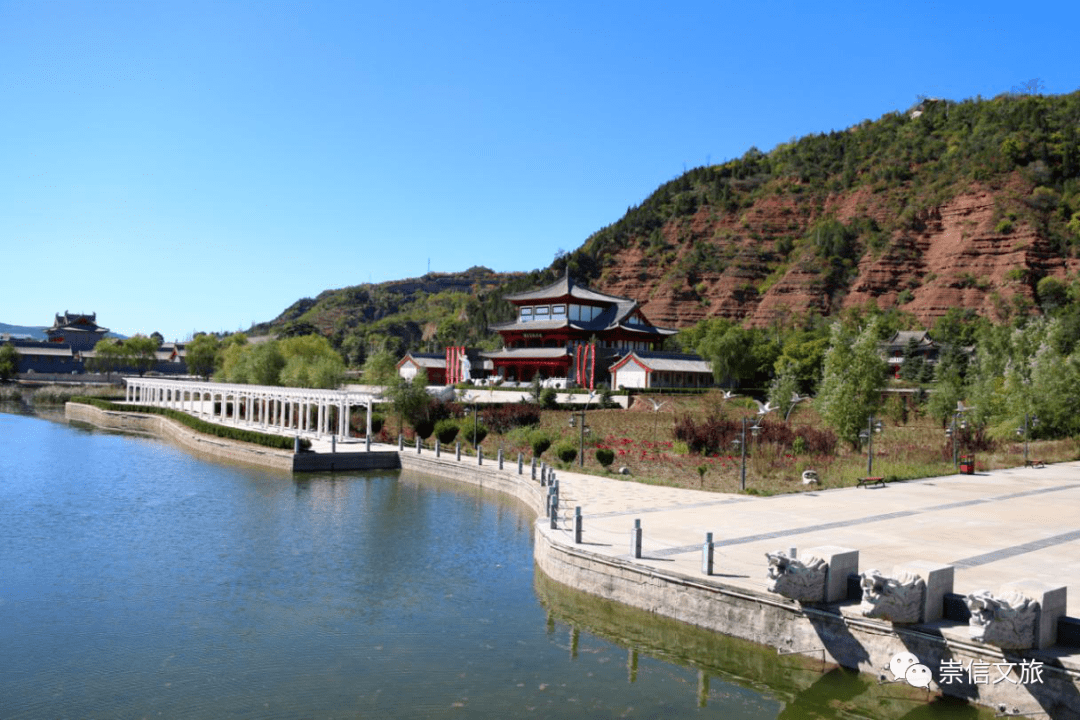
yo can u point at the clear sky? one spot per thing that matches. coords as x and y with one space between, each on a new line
183 166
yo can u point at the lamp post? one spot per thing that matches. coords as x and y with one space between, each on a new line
584 428
1030 421
867 436
957 424
755 429
470 400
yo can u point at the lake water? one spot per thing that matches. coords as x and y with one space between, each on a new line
139 581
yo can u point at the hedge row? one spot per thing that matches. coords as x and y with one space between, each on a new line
279 442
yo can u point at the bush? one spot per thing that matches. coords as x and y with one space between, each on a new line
540 442
503 418
549 399
198 425
446 431
718 434
605 456
566 452
424 427
480 433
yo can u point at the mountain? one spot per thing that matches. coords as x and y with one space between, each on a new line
37 332
33 332
426 313
948 204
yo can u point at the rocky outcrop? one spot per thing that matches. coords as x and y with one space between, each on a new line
763 271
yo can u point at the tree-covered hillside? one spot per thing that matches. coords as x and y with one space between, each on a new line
948 204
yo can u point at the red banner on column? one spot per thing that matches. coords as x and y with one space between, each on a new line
592 368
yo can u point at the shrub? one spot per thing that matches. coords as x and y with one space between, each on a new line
539 442
566 452
474 434
424 427
503 418
549 399
280 442
718 434
446 431
605 456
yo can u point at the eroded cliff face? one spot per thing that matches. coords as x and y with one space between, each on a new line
762 269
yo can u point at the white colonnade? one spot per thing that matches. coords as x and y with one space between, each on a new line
300 411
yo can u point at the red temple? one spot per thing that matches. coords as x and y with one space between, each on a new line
554 321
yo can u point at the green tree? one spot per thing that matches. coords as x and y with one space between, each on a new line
202 354
410 399
108 356
380 368
914 364
852 379
9 361
743 356
263 363
949 389
803 354
1055 384
140 353
782 390
158 338
311 362
1052 294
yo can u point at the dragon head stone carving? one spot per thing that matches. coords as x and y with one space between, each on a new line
797 579
1010 622
896 599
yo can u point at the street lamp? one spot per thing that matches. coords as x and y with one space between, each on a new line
867 436
470 400
584 428
741 443
951 431
1030 421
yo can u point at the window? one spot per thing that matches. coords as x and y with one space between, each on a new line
559 311
542 312
526 314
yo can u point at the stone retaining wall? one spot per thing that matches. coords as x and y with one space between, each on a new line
181 435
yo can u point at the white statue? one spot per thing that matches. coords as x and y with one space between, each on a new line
466 368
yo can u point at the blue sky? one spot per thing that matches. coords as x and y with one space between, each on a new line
183 166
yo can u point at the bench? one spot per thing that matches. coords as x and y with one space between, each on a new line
868 481
1035 464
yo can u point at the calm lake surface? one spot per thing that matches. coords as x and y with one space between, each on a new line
139 581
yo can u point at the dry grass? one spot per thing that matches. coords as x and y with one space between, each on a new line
643 442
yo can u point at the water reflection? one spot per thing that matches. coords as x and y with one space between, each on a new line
725 666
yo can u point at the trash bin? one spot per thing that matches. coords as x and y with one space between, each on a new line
967 464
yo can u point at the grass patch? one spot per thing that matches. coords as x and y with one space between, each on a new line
643 441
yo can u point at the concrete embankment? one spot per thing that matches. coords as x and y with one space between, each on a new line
667 579
231 449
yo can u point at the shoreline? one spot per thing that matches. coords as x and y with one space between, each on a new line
836 632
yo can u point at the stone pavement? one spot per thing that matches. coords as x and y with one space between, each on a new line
994 527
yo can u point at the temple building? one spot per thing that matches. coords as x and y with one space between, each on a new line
434 364
553 322
76 330
661 370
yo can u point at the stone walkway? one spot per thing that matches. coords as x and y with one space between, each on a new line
994 527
